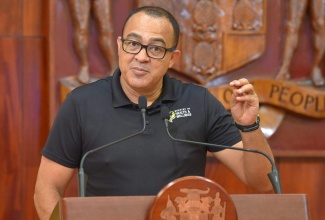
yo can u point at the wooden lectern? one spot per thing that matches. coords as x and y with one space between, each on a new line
186 196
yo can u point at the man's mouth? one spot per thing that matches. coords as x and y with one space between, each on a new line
139 71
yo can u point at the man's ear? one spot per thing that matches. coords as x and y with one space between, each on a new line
119 44
174 57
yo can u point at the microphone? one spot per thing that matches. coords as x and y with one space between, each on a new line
273 175
82 177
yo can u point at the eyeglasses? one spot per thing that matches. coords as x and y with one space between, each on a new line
153 51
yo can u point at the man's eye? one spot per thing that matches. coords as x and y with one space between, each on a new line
155 48
134 44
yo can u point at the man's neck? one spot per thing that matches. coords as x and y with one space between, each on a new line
133 94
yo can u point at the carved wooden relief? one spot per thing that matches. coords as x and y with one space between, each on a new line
102 12
221 36
297 11
194 205
194 198
215 35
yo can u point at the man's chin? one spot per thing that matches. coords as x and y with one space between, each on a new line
139 85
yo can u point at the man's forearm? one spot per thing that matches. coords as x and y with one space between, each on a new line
45 202
257 166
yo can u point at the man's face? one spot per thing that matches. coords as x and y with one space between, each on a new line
141 73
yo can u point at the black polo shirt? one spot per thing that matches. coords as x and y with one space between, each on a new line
100 113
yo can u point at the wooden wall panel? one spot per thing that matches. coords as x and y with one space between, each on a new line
34 118
35 86
10 17
299 133
11 180
23 103
305 175
36 17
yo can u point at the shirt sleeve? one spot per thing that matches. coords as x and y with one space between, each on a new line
221 126
63 144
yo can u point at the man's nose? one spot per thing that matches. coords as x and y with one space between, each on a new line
142 55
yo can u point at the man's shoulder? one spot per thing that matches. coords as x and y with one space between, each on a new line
182 86
178 82
94 87
96 91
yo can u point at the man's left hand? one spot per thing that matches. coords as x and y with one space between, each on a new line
244 103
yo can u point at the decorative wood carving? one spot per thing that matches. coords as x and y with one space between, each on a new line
287 95
297 10
245 16
215 35
220 36
102 10
194 198
276 97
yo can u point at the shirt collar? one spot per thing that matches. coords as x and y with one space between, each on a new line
120 99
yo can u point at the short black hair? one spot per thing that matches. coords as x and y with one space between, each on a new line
157 12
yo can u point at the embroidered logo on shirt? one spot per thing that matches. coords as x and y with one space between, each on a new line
179 113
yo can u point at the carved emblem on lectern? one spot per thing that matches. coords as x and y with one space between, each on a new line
194 206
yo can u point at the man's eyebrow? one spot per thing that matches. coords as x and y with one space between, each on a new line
134 35
158 40
154 39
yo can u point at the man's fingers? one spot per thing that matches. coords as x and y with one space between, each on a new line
246 89
239 82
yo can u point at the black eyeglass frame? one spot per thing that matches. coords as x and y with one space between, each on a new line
146 48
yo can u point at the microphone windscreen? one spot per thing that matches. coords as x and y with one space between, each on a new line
142 102
164 112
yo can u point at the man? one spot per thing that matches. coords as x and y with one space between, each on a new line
102 112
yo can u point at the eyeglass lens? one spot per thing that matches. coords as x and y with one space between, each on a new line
153 51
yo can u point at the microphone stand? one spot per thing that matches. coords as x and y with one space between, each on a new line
82 177
273 175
